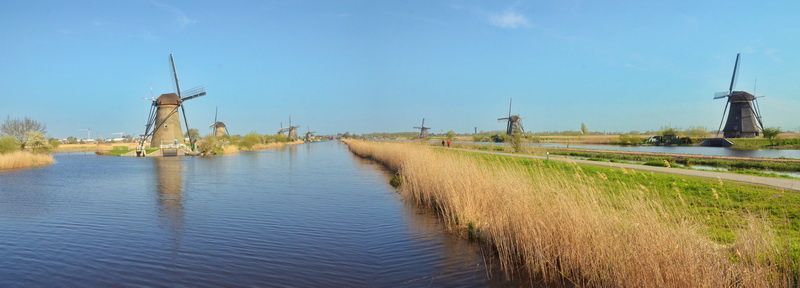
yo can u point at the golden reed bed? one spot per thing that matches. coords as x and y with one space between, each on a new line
19 160
563 231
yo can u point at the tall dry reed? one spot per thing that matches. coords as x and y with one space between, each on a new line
22 159
560 229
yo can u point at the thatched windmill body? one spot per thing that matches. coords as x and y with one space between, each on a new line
218 128
423 131
163 123
744 115
513 122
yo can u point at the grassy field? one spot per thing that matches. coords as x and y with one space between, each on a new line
20 159
596 226
783 142
786 166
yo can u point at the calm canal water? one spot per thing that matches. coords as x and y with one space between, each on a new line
307 215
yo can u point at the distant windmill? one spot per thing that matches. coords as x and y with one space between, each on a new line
423 131
514 122
163 123
218 128
291 130
309 135
744 116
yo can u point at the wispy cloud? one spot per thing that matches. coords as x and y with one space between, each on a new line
181 18
509 20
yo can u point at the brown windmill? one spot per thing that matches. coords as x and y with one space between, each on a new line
309 137
744 115
514 122
163 124
423 131
291 131
218 129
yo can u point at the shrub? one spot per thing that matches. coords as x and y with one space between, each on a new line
450 135
19 128
210 146
36 142
516 142
627 139
771 134
53 142
499 138
396 180
696 132
668 131
249 140
8 144
658 163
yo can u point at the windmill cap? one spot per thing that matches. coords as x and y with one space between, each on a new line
218 124
741 96
168 99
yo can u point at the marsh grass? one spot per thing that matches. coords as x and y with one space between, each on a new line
23 159
569 226
263 146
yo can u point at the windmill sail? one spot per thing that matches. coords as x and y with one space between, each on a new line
743 115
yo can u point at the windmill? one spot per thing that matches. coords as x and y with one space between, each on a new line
514 122
744 116
218 128
309 135
163 124
423 131
291 130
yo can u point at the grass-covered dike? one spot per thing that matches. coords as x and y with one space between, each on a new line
597 226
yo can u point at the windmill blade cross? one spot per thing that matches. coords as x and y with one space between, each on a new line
194 93
175 74
735 72
720 95
509 106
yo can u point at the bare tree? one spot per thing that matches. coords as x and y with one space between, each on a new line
19 128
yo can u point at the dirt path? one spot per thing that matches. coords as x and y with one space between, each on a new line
781 183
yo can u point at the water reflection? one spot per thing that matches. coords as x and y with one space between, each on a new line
169 174
285 217
455 260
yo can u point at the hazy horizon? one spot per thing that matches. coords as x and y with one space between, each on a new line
362 66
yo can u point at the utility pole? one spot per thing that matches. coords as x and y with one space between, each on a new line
88 133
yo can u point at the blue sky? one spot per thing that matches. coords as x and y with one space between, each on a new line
363 66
